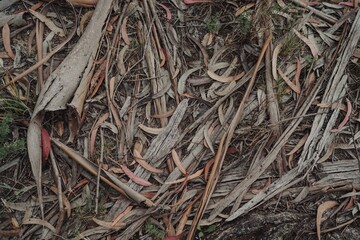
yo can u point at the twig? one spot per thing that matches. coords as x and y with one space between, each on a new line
221 153
99 170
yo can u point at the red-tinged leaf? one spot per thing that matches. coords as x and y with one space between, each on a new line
45 144
135 178
164 53
148 194
196 1
346 119
167 10
176 237
231 150
348 4
207 168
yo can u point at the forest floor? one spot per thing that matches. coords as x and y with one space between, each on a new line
179 119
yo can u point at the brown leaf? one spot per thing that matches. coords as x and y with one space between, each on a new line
48 22
138 158
346 119
7 41
177 161
83 3
244 8
225 79
135 178
294 87
313 48
192 176
321 209
124 34
94 131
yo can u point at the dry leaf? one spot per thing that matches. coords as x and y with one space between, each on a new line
45 144
243 9
109 225
321 209
225 79
150 130
195 175
135 178
122 214
313 48
299 144
94 131
294 87
7 41
47 21
144 164
167 10
274 61
177 161
124 34
83 3
184 77
346 119
121 64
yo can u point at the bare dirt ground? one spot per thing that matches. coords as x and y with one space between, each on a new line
179 119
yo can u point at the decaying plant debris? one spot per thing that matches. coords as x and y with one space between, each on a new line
164 120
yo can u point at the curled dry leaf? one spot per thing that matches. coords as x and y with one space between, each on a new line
274 61
177 161
6 40
299 144
294 87
94 131
313 48
124 34
144 164
122 214
167 10
109 225
346 119
184 77
224 79
121 64
321 209
207 168
155 131
134 178
84 19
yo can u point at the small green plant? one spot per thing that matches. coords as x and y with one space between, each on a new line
154 232
245 23
213 23
7 147
202 232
